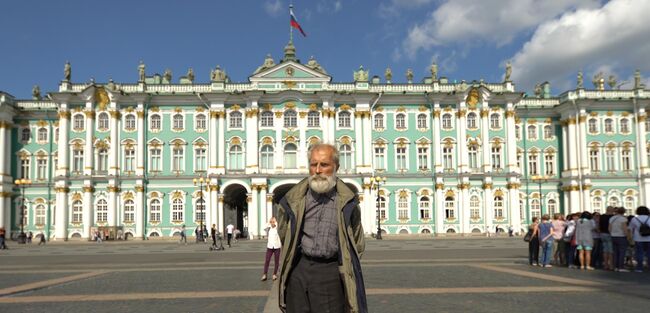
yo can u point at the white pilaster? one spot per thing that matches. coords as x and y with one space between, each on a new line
4 151
440 208
64 129
332 127
278 160
302 143
486 147
513 204
88 206
463 208
139 170
88 147
358 142
437 162
488 213
253 214
61 230
369 212
5 211
112 216
252 139
221 145
212 142
511 139
461 127
113 156
367 141
264 214
140 216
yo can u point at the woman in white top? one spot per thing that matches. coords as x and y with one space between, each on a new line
619 232
641 243
272 248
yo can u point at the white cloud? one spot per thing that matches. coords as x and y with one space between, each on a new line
273 7
612 39
392 8
492 21
329 6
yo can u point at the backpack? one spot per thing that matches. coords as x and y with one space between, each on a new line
644 229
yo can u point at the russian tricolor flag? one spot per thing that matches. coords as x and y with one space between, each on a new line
294 22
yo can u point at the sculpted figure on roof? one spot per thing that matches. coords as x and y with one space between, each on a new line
218 75
67 71
313 64
361 75
268 63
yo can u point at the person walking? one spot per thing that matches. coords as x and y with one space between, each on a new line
41 241
319 223
533 244
641 241
619 231
183 235
585 240
229 230
213 234
273 246
546 240
3 244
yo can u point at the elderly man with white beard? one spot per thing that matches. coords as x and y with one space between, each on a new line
319 223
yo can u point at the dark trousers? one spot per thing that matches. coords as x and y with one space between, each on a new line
315 286
533 250
267 260
597 254
642 248
571 259
620 245
229 238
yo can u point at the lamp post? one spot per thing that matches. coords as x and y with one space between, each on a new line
375 182
22 183
540 179
201 207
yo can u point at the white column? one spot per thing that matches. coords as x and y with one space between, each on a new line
112 216
485 139
88 147
139 171
64 129
140 216
565 159
437 161
253 214
332 127
367 140
511 139
440 208
279 144
87 209
641 145
463 207
325 122
113 156
212 143
5 210
264 214
302 142
488 214
574 198
252 140
358 141
515 216
61 230
572 145
4 151
369 213
461 127
221 146
582 142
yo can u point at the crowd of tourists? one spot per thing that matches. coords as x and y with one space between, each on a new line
612 241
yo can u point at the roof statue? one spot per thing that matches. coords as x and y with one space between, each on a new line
36 93
168 75
388 74
611 81
599 81
313 64
580 80
361 75
409 76
434 71
637 79
190 75
268 63
111 84
218 75
67 71
538 91
508 71
141 72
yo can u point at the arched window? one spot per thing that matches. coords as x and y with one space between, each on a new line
548 132
290 119
129 122
201 122
379 121
382 207
446 121
102 121
344 119
42 134
178 121
102 211
39 212
450 208
625 125
474 207
535 208
609 125
129 211
177 210
400 121
266 119
236 157
25 134
235 119
471 120
266 157
313 119
425 208
593 125
495 120
199 216
551 207
403 208
155 211
532 132
156 122
498 207
597 204
422 121
629 205
78 122
613 201
345 152
290 154
77 211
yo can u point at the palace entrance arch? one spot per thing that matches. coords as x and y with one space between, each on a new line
235 208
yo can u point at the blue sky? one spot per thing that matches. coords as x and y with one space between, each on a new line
546 40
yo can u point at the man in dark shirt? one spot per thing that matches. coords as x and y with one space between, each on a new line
606 238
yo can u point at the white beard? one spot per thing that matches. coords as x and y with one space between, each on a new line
321 183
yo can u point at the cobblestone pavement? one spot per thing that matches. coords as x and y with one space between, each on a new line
418 275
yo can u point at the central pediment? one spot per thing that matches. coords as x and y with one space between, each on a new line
290 71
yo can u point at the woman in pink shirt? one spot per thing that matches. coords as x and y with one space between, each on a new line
558 244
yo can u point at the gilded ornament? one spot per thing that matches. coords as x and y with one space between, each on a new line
139 188
440 186
278 114
64 115
235 141
346 140
88 189
487 186
302 114
344 107
313 107
101 97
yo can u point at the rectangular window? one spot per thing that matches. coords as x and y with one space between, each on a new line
177 160
532 164
549 165
380 157
129 160
473 158
77 161
496 158
423 158
402 209
155 162
41 170
594 162
24 168
626 162
610 158
401 159
200 160
447 158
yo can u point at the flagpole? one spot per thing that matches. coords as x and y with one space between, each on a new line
290 27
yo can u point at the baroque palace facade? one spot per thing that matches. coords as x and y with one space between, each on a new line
465 157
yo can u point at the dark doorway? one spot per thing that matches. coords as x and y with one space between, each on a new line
235 208
278 194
